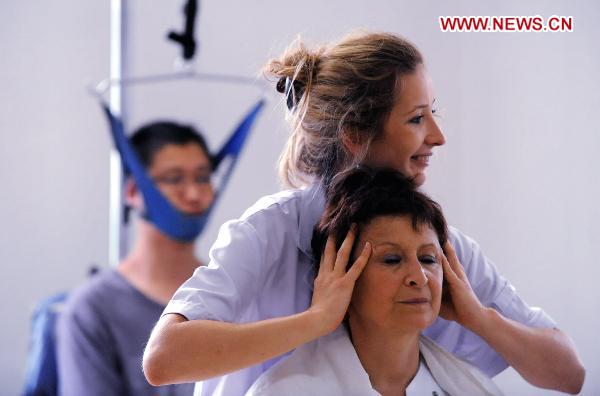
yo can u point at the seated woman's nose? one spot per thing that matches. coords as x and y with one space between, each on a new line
415 275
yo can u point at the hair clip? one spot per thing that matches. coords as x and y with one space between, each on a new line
292 89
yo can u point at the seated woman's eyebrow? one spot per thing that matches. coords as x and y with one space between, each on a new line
429 246
386 243
397 245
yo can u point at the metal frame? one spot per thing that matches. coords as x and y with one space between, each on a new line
117 235
116 86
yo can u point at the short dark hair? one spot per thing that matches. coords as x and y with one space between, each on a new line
150 138
361 194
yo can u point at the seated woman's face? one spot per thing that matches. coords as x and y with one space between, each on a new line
401 285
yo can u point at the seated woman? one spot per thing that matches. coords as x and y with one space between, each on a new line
379 348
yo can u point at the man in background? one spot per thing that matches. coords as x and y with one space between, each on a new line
106 322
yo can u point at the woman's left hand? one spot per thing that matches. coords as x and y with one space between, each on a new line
459 302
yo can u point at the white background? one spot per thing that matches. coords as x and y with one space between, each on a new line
519 172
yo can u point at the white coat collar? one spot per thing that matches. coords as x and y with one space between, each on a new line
312 207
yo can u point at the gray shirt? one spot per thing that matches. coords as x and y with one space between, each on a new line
101 335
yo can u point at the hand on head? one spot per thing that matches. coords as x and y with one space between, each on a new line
459 302
334 285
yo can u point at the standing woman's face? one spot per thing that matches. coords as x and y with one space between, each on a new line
410 132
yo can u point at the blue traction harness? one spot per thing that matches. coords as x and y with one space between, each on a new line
159 211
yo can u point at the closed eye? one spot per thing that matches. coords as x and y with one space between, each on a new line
392 259
428 259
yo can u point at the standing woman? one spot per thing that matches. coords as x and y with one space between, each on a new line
367 99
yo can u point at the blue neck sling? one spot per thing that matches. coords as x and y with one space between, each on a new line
159 211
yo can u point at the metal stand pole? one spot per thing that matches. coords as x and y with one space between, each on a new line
117 235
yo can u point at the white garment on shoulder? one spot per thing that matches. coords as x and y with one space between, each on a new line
330 366
261 267
456 376
327 366
424 384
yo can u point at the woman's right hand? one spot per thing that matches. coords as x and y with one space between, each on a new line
334 285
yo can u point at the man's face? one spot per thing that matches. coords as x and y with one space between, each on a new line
182 173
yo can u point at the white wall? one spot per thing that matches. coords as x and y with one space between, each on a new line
53 160
518 173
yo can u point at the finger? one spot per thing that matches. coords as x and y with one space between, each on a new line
328 256
449 273
361 262
343 255
454 262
